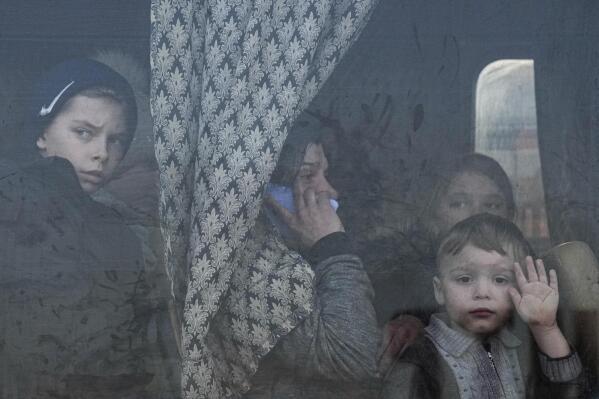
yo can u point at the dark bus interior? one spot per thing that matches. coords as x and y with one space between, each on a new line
424 83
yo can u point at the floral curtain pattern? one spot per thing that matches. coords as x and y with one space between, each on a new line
228 79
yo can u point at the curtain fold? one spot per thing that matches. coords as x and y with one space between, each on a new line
229 77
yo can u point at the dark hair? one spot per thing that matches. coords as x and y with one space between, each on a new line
445 173
476 163
305 131
487 232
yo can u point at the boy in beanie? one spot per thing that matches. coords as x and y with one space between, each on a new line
84 112
71 273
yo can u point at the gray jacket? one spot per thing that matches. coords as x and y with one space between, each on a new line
333 352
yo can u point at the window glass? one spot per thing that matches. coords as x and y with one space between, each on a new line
506 129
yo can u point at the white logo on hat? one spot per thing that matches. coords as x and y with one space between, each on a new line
46 110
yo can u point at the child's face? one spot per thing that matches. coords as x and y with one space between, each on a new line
473 287
92 134
468 194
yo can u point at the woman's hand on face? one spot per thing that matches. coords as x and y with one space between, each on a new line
537 299
314 218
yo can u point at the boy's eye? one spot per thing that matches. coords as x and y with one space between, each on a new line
502 280
464 279
83 132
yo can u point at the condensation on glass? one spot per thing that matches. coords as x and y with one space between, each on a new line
506 129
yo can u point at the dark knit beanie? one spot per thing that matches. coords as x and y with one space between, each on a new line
63 82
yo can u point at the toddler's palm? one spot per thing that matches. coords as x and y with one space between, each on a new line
538 303
537 299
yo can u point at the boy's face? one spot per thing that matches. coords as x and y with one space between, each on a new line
91 133
473 287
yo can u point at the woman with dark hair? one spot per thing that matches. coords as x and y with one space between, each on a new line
334 347
303 165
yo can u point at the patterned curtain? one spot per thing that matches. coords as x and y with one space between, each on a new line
228 79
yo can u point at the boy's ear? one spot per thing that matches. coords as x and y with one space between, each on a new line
438 291
41 143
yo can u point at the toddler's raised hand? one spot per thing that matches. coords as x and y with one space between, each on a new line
537 299
536 303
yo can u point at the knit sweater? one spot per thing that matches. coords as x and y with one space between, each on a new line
449 364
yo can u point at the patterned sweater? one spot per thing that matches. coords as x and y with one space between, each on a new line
449 364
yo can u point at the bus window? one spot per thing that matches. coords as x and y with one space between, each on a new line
506 129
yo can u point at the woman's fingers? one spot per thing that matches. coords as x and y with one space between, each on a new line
298 197
280 210
310 198
323 199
